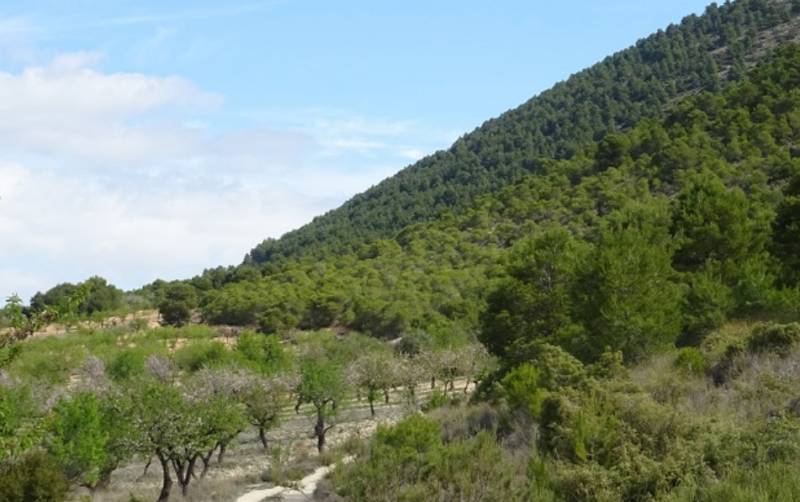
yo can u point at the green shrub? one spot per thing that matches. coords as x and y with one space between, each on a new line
730 364
35 478
777 482
609 365
416 433
177 303
410 462
201 354
49 361
265 352
777 338
691 360
705 307
437 399
523 389
126 364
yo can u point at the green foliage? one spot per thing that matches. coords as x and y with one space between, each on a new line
177 303
321 381
36 477
265 352
707 304
93 295
628 300
323 385
202 354
263 400
88 437
21 323
773 482
411 462
785 244
691 360
126 364
413 436
439 399
524 390
613 95
179 426
568 235
536 302
47 366
20 427
778 338
716 223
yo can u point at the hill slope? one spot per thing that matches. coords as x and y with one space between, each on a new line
685 205
700 53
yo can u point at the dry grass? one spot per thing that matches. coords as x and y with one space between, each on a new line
766 385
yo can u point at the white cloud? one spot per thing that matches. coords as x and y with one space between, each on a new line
64 227
69 108
123 175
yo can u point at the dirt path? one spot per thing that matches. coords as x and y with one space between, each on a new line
304 490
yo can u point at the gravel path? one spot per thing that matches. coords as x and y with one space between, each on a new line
302 492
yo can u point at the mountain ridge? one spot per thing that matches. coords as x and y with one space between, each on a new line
635 83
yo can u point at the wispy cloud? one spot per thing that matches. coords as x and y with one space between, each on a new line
119 174
342 133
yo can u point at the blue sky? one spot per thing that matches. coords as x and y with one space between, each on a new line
153 139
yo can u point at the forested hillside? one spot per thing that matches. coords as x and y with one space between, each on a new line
646 327
612 269
678 224
701 53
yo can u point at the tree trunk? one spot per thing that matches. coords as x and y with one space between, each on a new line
105 479
262 435
386 396
372 408
206 463
433 382
146 467
223 448
319 431
166 483
185 475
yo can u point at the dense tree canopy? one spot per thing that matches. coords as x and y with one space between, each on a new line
640 82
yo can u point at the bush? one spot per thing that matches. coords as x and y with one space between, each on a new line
35 478
439 399
412 463
126 364
201 354
765 483
265 351
777 338
706 307
523 389
730 365
691 360
416 433
177 303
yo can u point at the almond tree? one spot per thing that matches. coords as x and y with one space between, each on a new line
322 384
373 372
474 363
178 429
408 374
264 398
